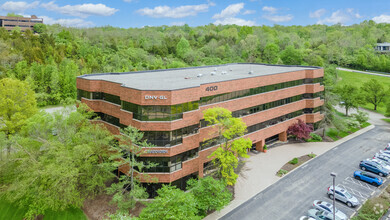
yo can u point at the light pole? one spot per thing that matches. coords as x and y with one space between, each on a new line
333 175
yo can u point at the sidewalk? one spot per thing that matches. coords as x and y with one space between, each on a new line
260 169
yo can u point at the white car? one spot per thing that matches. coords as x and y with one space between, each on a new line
306 218
327 207
380 162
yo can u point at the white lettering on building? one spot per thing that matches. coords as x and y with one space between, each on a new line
155 97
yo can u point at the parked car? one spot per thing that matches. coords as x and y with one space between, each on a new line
327 207
383 157
381 163
306 218
373 167
343 196
368 177
387 146
386 152
321 215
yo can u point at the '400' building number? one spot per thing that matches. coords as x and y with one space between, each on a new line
211 88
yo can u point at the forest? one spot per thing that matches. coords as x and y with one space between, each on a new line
51 59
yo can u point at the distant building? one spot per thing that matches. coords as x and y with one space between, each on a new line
9 23
382 47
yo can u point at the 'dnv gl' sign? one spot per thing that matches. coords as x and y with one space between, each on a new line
161 97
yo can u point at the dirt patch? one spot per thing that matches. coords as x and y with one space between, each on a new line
98 207
288 167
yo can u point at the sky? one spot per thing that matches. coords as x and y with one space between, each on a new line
140 13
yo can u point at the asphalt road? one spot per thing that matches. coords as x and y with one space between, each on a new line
293 196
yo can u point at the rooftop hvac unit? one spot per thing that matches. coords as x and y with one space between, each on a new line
250 72
223 72
215 69
213 73
200 75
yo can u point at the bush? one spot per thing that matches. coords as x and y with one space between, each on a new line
333 133
281 172
361 117
293 161
372 209
387 114
352 123
312 155
314 138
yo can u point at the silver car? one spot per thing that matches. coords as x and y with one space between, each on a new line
306 218
343 196
327 207
320 215
381 163
383 157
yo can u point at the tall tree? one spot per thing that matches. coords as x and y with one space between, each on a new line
171 203
128 189
231 147
56 162
291 56
183 47
17 103
349 96
374 92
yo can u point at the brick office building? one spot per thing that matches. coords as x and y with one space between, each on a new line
167 106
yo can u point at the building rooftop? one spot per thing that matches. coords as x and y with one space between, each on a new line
175 79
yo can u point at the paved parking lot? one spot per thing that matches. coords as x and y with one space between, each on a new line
293 195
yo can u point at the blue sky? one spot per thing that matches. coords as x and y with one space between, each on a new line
139 13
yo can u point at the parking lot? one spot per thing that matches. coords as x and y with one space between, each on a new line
293 196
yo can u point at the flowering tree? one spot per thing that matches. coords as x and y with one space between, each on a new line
300 130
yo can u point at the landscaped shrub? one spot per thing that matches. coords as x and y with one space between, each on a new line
361 117
312 155
332 133
293 161
314 138
300 130
281 172
352 123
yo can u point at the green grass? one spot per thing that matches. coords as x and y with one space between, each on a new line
357 79
9 211
386 119
335 134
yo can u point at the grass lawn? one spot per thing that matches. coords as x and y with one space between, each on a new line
357 79
9 211
386 119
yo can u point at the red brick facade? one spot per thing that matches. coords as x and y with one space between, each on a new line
193 117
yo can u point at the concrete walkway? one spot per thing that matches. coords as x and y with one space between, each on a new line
260 169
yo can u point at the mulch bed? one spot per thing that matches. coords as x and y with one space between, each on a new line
301 160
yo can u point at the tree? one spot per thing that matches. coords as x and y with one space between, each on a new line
128 189
231 147
17 103
56 162
271 52
291 56
183 47
349 96
39 28
373 92
210 194
300 130
171 203
14 15
387 114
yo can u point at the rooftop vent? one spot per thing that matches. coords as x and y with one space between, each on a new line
215 69
250 72
200 75
230 69
223 72
213 73
187 77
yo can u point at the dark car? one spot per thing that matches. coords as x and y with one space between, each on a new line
373 167
368 177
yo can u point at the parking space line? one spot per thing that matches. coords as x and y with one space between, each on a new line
354 192
360 183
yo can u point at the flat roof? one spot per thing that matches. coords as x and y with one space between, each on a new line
383 44
182 78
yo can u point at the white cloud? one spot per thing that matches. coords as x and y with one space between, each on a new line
279 18
341 17
82 11
382 19
128 1
318 13
229 11
248 12
269 9
237 21
12 6
179 23
76 22
178 12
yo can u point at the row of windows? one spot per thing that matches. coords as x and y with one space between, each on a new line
169 138
217 140
319 80
174 112
247 92
168 164
159 112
